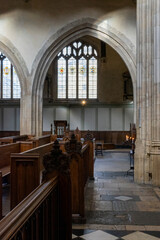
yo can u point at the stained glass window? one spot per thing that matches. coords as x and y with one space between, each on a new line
72 76
9 81
77 72
93 78
61 78
82 83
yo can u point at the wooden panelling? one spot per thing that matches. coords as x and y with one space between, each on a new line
24 146
115 137
5 151
26 172
39 141
9 133
25 176
13 139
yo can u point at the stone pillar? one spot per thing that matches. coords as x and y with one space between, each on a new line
155 147
148 123
26 110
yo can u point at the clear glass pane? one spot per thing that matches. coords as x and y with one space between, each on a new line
75 44
69 50
16 85
95 52
90 50
72 76
6 78
82 78
93 78
74 52
61 78
80 52
64 51
79 44
85 50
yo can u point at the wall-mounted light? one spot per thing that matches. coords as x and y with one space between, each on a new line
83 102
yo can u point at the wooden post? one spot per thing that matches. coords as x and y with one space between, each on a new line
0 195
73 148
54 162
89 139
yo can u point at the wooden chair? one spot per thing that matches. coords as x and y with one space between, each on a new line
99 149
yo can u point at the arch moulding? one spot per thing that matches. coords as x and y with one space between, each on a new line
118 41
12 53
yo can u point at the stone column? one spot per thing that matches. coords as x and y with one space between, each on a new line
26 110
155 147
148 124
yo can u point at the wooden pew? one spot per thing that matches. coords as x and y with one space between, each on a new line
13 139
46 212
39 141
80 167
23 165
0 195
5 152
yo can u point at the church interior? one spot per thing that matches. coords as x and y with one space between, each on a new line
80 120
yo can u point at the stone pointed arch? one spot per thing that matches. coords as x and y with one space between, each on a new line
18 62
118 41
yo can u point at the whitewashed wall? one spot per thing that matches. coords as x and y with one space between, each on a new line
9 118
93 118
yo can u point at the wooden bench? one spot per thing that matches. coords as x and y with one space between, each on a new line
0 195
39 141
44 214
26 172
23 181
13 139
5 152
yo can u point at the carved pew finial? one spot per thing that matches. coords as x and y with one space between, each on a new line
88 136
73 146
55 160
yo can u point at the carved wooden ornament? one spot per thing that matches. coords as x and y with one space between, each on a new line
73 146
56 160
88 136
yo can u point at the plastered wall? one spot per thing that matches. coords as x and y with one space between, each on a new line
115 118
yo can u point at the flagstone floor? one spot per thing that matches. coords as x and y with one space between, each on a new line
116 207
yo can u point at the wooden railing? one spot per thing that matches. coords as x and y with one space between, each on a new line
45 214
81 170
0 195
29 219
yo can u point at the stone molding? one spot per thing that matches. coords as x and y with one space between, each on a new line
17 60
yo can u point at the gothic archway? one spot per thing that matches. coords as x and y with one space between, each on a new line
69 33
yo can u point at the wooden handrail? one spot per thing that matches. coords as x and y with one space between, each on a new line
15 220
